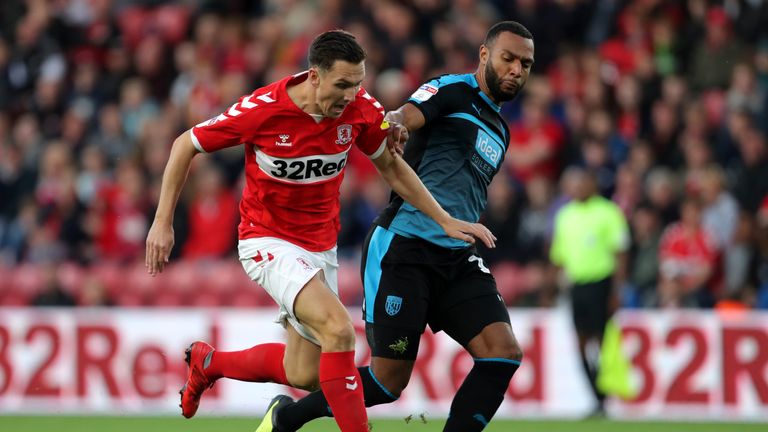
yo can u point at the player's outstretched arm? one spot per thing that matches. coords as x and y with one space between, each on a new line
160 238
407 184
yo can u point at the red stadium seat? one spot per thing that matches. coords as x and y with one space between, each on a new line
5 278
534 277
509 280
172 21
167 298
205 299
224 277
128 299
27 279
181 276
131 21
350 286
136 279
111 275
71 277
14 298
247 298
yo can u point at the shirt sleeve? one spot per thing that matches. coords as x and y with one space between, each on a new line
236 125
371 140
432 100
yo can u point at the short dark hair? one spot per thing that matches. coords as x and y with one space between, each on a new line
506 26
335 45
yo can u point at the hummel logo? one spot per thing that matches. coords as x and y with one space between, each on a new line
351 384
259 257
284 141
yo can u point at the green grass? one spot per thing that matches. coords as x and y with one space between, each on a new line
171 424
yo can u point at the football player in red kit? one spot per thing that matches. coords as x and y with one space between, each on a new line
297 134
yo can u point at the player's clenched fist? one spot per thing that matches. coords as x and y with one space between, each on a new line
397 135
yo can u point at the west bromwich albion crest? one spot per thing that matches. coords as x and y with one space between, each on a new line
393 304
344 134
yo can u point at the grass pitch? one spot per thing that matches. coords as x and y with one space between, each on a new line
239 424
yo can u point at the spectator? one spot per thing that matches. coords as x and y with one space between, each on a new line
601 129
744 93
355 217
663 133
136 106
109 136
687 259
628 191
532 235
662 191
761 274
502 217
739 260
535 141
643 257
93 293
212 208
641 158
120 215
720 212
750 174
714 57
52 293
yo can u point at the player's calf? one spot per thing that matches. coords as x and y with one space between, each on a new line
302 375
497 356
339 379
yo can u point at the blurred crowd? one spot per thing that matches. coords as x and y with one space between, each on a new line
667 101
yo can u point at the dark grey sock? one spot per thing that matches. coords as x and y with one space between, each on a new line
480 395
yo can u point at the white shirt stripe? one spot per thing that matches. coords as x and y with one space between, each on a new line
379 151
196 142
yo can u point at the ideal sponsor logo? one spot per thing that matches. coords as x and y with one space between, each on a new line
488 149
307 169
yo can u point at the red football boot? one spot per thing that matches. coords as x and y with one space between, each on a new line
197 356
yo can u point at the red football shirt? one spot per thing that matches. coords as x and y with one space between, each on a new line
293 164
681 253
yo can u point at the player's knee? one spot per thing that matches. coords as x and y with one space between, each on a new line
515 352
509 350
393 380
338 334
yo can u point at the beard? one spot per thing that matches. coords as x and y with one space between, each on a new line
493 82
